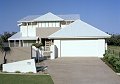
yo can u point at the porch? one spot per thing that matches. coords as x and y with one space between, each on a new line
17 40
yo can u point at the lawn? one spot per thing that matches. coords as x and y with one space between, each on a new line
114 50
25 79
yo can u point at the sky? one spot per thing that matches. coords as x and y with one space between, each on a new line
102 14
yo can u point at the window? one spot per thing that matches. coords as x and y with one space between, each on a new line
29 23
43 24
54 24
50 24
40 24
63 23
57 24
24 24
34 23
47 24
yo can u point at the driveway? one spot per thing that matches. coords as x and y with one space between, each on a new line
81 71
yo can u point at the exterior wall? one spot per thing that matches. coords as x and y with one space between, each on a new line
24 30
28 43
31 31
54 52
45 32
80 48
22 43
22 66
101 47
17 54
28 30
62 26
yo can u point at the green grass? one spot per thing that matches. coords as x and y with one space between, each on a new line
25 79
116 48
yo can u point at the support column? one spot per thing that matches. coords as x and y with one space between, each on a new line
27 44
27 28
9 43
14 43
23 43
19 43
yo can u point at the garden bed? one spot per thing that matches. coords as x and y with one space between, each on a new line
112 61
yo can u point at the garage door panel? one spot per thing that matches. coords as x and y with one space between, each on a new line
79 48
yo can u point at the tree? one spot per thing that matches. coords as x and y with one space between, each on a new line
4 50
6 35
3 47
114 40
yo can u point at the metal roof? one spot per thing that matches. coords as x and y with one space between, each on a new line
70 17
18 36
31 18
79 29
48 17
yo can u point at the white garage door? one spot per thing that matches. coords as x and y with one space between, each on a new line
79 48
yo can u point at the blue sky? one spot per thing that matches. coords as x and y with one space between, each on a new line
102 14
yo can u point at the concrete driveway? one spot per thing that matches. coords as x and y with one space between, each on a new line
81 71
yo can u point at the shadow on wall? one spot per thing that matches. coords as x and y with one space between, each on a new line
56 52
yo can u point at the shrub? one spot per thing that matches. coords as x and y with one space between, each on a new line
117 66
30 72
17 72
113 61
114 40
37 45
5 72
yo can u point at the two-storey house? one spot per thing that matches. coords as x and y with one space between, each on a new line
72 36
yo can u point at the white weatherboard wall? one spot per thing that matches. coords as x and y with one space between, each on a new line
28 30
54 53
31 31
80 48
23 30
22 66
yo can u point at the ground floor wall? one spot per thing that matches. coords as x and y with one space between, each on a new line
21 43
81 47
17 54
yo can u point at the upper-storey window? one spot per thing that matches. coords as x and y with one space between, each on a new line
49 24
34 23
66 22
29 23
24 24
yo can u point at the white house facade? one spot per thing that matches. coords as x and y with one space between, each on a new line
72 37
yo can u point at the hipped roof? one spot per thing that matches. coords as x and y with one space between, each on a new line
79 29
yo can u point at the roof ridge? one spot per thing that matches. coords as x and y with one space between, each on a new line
62 16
